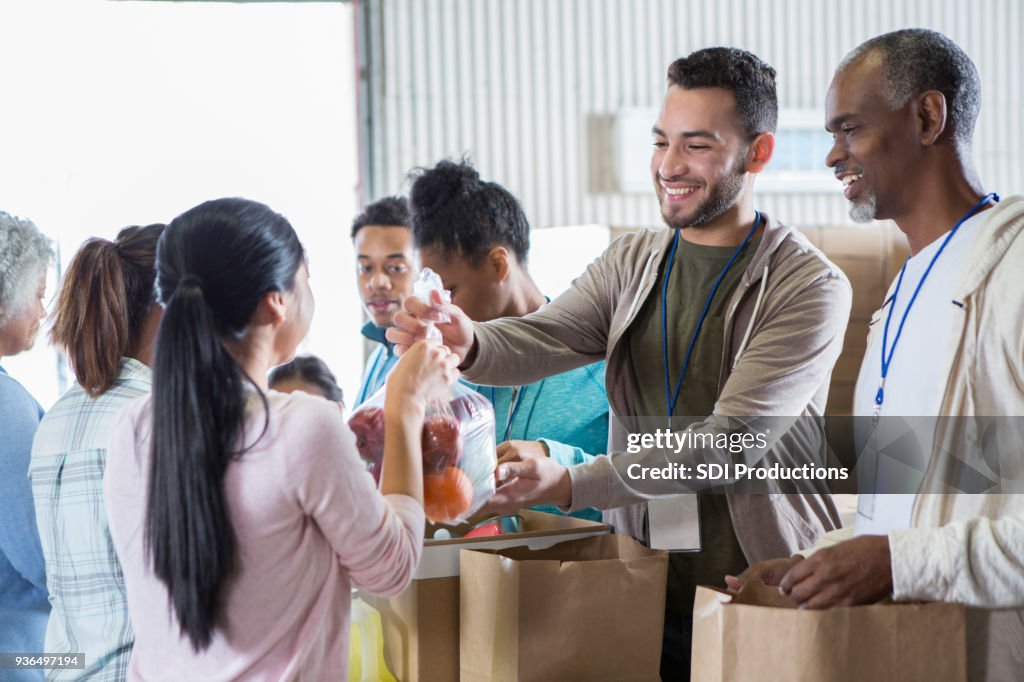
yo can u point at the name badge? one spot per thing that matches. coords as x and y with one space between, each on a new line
673 523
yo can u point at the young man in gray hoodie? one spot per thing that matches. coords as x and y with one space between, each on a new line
727 314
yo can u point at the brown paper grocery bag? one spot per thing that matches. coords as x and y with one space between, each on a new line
760 635
590 609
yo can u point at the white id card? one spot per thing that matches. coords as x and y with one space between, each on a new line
867 468
673 523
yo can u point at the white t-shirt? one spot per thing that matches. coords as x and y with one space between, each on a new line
914 385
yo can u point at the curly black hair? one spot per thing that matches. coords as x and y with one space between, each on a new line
747 77
452 207
386 211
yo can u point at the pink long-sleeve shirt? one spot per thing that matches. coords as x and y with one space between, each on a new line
309 524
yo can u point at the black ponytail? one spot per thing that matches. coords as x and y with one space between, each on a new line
215 262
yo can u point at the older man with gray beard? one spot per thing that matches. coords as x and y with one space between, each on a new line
946 345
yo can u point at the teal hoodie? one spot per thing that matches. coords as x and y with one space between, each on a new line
567 412
379 365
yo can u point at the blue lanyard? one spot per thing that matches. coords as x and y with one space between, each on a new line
670 398
515 408
888 354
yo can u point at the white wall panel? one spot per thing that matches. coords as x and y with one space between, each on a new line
528 88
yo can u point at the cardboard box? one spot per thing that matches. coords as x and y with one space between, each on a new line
758 634
421 625
593 610
871 256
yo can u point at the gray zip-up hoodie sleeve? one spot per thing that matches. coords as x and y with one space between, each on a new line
795 338
569 332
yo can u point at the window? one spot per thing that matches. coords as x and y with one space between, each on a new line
159 106
798 165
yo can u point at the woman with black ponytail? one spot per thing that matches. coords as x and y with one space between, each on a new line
243 516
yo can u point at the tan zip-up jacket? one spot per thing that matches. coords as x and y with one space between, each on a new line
784 328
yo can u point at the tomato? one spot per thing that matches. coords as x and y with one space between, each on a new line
447 495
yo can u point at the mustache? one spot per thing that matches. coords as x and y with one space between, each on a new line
844 170
662 178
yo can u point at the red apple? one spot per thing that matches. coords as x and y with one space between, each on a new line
368 427
442 442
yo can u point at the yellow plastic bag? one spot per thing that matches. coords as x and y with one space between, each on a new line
366 646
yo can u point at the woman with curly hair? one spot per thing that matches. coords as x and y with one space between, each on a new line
25 255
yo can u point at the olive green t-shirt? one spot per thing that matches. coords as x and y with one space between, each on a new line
693 275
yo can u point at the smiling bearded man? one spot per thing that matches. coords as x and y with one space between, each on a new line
726 314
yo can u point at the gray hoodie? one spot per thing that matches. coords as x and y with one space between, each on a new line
784 328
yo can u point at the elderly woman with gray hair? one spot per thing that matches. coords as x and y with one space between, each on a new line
25 255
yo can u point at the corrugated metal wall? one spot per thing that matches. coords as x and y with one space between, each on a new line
528 88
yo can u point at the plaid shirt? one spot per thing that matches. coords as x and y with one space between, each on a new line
87 593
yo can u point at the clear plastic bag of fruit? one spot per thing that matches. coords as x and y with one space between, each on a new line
458 451
459 454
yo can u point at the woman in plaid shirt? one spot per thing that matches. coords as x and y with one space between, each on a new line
106 318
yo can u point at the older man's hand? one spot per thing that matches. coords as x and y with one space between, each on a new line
856 571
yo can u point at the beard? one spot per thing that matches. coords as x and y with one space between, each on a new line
719 200
864 210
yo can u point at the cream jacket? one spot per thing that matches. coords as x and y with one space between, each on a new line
969 547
